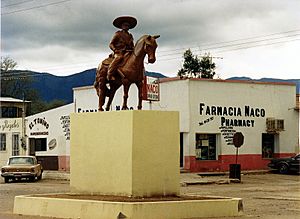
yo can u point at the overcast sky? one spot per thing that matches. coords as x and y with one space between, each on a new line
252 38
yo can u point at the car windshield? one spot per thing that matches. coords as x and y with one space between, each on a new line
21 160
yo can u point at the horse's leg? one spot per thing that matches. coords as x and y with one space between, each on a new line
102 89
101 99
113 88
126 85
140 93
110 99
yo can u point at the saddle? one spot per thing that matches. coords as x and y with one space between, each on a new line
102 72
110 58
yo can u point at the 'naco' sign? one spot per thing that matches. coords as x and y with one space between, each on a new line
151 89
231 116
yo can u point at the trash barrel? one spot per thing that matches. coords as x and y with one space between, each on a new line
235 171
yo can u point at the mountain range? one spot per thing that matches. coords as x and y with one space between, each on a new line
275 80
51 87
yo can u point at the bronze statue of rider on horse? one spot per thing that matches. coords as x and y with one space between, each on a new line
126 65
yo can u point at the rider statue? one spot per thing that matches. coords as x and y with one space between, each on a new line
121 43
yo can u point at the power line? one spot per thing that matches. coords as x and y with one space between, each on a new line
231 45
228 48
14 4
267 44
246 47
167 59
241 39
40 6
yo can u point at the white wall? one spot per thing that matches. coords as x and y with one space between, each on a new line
10 126
174 97
270 100
86 99
51 124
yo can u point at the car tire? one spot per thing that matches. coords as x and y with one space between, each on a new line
283 168
6 179
32 178
40 176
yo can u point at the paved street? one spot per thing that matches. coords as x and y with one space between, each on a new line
265 196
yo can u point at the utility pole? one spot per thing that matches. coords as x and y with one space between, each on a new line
23 139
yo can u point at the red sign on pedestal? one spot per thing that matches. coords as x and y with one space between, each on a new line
151 89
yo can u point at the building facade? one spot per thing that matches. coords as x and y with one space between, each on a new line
12 128
48 137
211 111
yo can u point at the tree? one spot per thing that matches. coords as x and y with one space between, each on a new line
196 68
14 83
207 67
7 64
38 105
191 65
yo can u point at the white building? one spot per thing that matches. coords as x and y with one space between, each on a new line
211 111
48 137
12 127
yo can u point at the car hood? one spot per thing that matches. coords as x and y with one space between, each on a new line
282 159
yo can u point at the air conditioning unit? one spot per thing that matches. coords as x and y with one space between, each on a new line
275 125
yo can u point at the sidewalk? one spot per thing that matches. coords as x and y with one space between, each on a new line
186 179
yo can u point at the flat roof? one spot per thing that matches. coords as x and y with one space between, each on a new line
12 100
83 87
162 80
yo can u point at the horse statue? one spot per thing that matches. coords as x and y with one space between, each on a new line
130 71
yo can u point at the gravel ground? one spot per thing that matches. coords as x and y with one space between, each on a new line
265 196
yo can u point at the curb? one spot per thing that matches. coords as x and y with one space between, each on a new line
56 175
202 178
220 181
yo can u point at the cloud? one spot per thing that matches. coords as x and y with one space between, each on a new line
85 27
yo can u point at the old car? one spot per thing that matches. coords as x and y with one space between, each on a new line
22 167
285 165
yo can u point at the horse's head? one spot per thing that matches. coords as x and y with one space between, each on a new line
150 47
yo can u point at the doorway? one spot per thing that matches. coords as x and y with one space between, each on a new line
15 145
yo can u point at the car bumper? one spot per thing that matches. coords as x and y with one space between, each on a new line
18 175
272 166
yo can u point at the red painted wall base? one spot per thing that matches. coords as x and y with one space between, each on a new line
247 161
64 163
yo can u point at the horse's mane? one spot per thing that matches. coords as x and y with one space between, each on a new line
138 45
142 38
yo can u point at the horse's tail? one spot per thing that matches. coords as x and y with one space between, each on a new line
97 79
101 80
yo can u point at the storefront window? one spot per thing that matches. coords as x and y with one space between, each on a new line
2 142
9 112
206 147
267 145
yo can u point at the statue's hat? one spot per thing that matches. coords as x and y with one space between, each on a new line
128 19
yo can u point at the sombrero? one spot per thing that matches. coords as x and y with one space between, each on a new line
128 19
